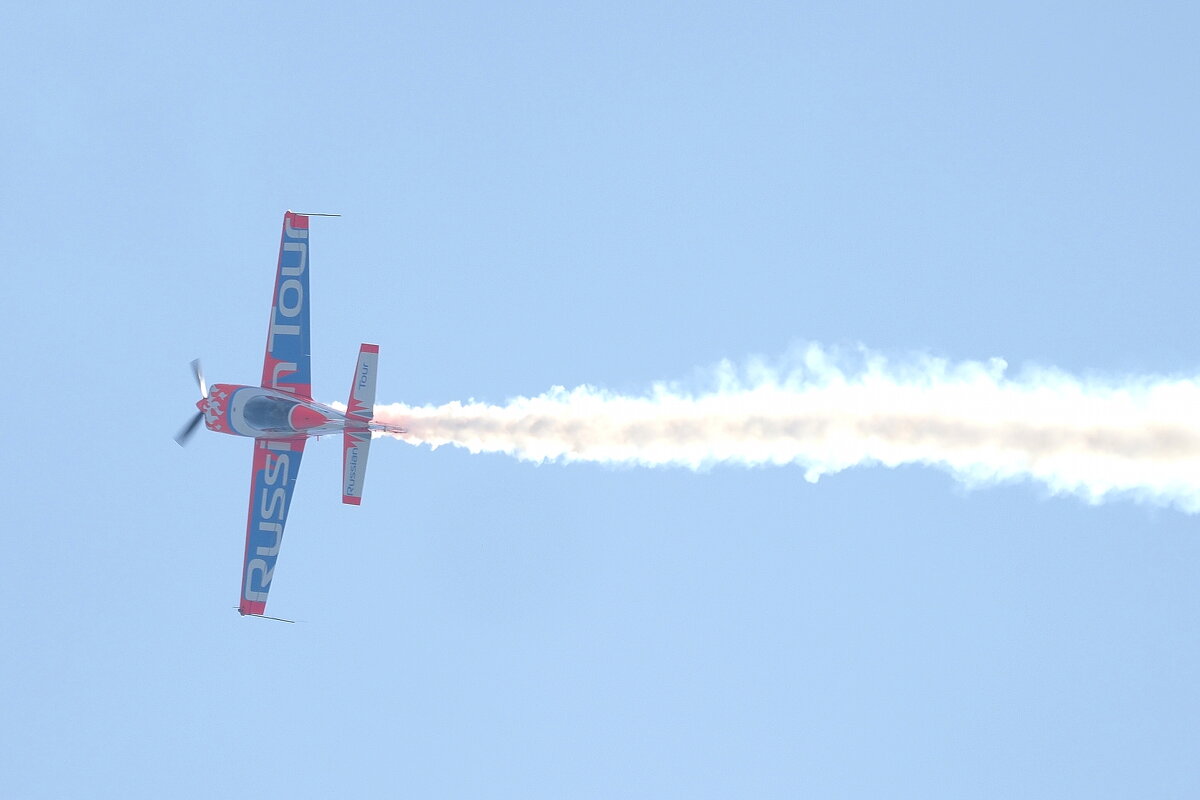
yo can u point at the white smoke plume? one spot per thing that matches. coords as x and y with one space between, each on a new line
1095 438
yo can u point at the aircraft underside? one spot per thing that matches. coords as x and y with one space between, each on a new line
280 416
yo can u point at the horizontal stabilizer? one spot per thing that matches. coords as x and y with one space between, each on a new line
360 408
361 405
356 448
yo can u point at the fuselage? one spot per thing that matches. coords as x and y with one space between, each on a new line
268 413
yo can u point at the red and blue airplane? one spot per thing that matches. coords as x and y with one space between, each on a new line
280 415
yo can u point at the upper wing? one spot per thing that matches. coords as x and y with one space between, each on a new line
276 464
286 365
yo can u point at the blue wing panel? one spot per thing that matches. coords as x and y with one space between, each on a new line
276 464
286 364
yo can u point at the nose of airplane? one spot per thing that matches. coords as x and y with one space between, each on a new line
303 417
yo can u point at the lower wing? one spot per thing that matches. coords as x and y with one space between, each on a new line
276 464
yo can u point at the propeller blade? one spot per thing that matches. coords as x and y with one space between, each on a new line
199 373
186 432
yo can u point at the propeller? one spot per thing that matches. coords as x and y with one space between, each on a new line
186 432
199 373
188 429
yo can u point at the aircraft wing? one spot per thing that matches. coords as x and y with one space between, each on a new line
286 365
276 464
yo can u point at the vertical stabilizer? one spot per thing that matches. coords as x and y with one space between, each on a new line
360 408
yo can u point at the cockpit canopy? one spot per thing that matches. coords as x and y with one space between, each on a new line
268 413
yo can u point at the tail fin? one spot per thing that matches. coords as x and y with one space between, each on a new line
360 408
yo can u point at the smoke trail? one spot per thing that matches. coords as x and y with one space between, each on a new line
1094 438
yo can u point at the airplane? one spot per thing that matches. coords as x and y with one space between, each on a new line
281 415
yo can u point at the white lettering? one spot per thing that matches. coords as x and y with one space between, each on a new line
281 462
278 499
260 566
295 233
286 330
282 366
270 527
351 470
296 247
291 284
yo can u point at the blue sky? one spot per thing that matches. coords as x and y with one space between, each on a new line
614 195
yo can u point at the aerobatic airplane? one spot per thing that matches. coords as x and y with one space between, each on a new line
280 415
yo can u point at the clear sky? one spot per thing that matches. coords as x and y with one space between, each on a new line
613 194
